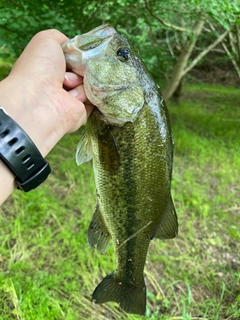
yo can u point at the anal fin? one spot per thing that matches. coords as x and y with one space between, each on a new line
98 234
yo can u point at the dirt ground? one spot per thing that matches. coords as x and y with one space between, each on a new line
213 74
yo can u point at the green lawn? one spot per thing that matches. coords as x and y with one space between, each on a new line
48 271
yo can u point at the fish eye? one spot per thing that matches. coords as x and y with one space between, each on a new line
123 54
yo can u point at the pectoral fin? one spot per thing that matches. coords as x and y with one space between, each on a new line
168 228
98 234
84 149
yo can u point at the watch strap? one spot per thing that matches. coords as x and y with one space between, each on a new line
21 155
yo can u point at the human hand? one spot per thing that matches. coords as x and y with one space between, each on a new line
34 93
42 98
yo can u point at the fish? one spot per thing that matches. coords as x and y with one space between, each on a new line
130 143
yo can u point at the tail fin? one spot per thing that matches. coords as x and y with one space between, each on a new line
131 299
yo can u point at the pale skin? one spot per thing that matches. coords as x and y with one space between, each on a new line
33 95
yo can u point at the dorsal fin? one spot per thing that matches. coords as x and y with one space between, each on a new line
168 227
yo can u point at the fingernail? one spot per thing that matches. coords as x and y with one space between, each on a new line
70 76
73 92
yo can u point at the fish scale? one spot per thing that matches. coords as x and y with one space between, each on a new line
130 142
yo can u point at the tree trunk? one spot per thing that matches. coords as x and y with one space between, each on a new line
238 43
177 94
182 61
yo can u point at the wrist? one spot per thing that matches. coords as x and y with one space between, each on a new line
7 182
21 155
29 113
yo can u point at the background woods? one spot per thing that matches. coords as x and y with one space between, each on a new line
172 37
192 49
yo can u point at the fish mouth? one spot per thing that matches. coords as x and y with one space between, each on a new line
88 45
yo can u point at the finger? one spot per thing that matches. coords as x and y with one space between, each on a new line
72 80
89 109
38 55
52 34
82 119
79 93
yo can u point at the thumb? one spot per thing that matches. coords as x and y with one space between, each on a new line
75 111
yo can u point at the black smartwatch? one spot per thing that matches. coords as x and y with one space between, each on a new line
21 155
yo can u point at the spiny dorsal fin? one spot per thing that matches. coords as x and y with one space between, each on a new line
168 228
84 149
98 234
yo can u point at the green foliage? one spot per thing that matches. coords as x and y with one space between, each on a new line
19 24
147 24
48 271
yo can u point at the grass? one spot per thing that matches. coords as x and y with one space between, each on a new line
6 63
48 271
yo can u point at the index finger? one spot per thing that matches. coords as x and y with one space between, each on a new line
72 80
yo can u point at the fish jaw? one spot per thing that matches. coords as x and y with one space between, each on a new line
82 48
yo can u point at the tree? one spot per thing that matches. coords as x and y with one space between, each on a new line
232 47
194 15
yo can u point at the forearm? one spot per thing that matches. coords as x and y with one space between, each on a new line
13 104
31 116
7 183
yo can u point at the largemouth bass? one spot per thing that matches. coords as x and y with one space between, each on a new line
130 142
